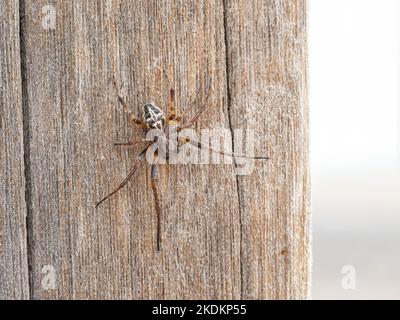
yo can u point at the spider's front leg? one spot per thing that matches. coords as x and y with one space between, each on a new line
202 108
197 144
130 143
172 114
132 119
155 186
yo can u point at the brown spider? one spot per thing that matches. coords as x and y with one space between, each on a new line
153 118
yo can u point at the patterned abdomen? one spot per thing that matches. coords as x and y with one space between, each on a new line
153 117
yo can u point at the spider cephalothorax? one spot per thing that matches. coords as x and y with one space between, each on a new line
153 117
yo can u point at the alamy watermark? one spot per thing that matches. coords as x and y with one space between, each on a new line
48 278
50 18
349 278
211 146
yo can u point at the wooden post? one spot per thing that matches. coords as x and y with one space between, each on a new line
13 248
224 236
267 81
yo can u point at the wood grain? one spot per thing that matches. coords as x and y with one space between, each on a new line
13 249
74 121
267 63
223 236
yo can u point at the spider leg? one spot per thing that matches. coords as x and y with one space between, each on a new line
178 117
171 105
130 143
173 115
198 145
135 166
133 120
198 114
184 112
157 198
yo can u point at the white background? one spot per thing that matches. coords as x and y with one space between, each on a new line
355 146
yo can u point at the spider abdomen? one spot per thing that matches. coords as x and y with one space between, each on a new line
153 116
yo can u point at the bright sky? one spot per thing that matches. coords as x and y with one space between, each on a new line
354 84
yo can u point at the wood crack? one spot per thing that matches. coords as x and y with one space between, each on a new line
26 144
229 105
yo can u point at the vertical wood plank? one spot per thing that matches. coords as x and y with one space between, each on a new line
267 61
14 283
74 121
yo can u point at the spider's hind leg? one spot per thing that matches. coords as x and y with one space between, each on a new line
135 167
155 185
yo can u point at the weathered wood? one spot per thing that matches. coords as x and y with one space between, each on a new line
224 237
267 62
13 253
74 121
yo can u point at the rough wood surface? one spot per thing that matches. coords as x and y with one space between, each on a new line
267 63
13 254
224 236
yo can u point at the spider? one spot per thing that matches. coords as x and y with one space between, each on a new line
153 118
